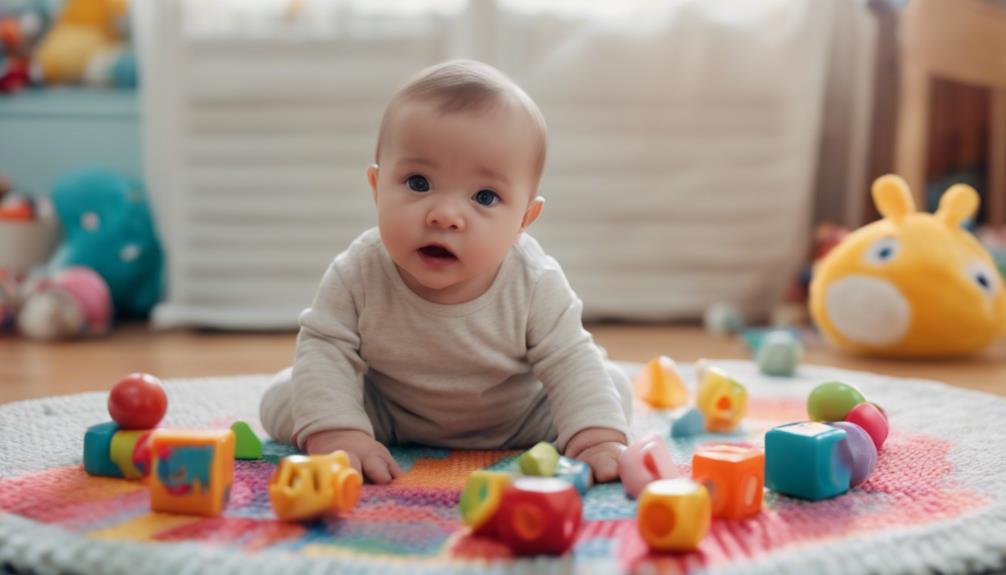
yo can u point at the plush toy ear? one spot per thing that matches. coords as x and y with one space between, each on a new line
892 197
958 203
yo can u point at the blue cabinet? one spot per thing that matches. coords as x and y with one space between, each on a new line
47 132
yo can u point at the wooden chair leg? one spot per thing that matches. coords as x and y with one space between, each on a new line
913 128
995 208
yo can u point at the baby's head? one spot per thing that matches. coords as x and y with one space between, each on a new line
459 156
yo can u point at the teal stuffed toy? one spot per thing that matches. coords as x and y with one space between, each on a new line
108 228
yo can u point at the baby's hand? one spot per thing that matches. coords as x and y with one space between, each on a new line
365 453
598 447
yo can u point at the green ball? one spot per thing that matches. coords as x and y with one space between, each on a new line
832 401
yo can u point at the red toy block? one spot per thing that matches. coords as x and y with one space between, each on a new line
539 515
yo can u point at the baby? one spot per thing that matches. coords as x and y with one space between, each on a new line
447 325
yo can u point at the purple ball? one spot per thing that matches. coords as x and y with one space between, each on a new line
858 451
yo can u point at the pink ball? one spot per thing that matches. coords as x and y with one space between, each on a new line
872 420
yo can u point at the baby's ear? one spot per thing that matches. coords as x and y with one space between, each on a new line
372 172
532 212
892 197
958 203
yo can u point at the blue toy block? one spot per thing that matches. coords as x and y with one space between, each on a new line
576 472
690 423
98 450
804 460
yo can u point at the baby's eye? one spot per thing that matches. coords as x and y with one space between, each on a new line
883 251
418 183
486 197
984 277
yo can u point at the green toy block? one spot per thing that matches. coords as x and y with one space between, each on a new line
97 450
540 460
247 444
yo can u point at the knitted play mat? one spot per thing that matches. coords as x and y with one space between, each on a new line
936 502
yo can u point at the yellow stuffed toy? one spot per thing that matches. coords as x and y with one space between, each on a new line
912 284
84 29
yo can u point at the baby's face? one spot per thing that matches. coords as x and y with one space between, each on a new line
453 193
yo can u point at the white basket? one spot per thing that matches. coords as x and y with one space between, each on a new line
24 245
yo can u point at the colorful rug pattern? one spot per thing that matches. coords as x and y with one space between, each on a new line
936 499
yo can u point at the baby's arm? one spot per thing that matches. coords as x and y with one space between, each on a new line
328 411
582 398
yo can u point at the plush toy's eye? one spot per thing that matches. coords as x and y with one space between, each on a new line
986 278
883 251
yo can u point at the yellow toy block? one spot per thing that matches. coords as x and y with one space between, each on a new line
673 514
192 470
722 400
309 486
480 500
122 451
660 384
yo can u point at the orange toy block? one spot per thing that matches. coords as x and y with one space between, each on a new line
192 470
660 384
735 477
309 486
673 514
722 400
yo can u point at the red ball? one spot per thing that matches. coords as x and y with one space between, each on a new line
137 402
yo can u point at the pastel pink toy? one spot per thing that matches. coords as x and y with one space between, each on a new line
872 420
539 515
74 302
646 460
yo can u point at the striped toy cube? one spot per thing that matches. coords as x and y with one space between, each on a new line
805 460
735 477
722 400
673 514
192 470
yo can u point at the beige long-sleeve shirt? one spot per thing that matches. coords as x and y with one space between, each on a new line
464 375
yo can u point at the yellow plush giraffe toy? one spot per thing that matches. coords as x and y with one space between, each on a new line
912 284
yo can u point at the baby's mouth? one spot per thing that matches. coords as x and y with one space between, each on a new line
438 252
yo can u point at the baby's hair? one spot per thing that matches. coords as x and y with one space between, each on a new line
465 86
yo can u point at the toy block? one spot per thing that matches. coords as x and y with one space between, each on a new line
647 459
310 486
192 470
98 448
660 384
805 460
688 424
247 444
576 472
539 515
721 400
673 514
480 500
123 451
858 451
734 477
779 354
832 401
540 460
872 420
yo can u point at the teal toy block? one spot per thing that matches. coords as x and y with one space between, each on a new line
247 443
540 460
805 460
576 472
98 450
689 423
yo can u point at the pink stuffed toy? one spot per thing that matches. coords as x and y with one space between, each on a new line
74 302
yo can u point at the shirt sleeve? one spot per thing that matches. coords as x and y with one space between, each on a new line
328 370
570 366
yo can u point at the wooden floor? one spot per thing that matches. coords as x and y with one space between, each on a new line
31 369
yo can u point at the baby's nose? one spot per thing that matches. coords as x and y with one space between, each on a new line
445 215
